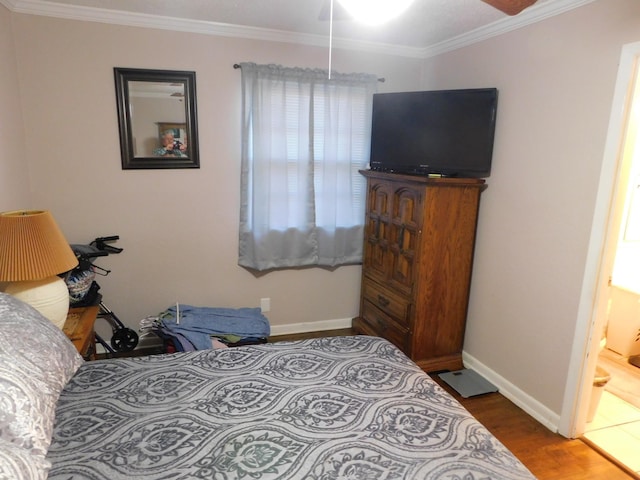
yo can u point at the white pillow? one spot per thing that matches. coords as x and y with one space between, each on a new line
17 463
36 362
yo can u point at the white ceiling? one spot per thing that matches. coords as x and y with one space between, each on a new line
427 28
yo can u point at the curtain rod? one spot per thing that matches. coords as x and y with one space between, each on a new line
237 65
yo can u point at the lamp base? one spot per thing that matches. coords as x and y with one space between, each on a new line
50 296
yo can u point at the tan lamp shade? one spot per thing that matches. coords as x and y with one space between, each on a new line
32 247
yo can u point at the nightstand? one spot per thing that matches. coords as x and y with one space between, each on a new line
79 327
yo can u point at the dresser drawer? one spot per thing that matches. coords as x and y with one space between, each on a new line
384 326
390 303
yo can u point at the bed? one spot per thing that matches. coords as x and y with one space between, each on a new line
320 409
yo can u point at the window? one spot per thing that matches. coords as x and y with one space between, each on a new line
304 138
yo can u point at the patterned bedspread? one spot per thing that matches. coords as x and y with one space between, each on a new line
323 409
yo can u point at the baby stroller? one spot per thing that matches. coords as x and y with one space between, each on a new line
84 291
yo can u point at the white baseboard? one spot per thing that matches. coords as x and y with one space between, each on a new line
527 403
319 326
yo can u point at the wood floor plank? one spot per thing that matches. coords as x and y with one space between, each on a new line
548 455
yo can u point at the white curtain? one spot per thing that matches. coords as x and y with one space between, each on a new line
304 138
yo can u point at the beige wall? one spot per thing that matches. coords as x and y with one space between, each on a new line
14 174
178 228
556 81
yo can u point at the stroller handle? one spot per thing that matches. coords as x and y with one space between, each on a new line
111 238
97 248
101 244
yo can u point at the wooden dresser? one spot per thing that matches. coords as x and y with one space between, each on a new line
418 254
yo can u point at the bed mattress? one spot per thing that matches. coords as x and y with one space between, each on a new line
320 409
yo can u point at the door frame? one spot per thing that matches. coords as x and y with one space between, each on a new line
601 252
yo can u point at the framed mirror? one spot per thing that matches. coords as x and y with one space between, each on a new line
157 118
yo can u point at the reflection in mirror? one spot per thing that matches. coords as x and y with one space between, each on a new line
156 113
150 102
173 140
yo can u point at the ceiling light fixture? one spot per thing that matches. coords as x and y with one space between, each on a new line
371 12
375 12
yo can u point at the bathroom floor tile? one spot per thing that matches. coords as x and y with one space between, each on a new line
615 428
632 429
618 443
613 411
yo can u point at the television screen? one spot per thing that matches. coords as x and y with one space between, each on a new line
444 132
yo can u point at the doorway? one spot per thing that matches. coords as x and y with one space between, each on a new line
607 412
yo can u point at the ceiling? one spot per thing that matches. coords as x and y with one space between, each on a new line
427 28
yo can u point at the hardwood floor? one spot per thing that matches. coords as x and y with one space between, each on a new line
547 455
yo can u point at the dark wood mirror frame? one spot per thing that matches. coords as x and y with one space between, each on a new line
184 85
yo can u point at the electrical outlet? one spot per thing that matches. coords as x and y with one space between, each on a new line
265 304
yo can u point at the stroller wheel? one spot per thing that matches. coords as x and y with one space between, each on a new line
124 340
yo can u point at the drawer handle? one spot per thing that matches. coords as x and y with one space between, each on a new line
383 301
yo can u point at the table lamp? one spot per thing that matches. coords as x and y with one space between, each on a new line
33 251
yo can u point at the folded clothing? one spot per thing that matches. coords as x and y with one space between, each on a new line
199 324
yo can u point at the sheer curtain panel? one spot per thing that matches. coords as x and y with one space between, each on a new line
304 138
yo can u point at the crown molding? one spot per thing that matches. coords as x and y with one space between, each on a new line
10 4
132 19
531 15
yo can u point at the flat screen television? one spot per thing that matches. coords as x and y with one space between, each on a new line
440 132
